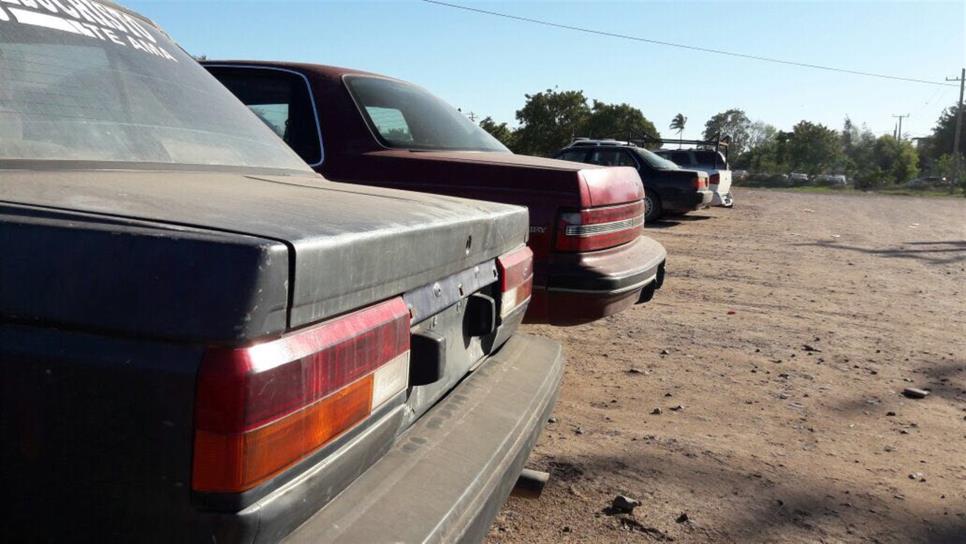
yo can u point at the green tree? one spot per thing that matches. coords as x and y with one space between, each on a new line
943 134
549 120
733 124
861 161
500 131
617 121
814 149
896 161
759 134
678 124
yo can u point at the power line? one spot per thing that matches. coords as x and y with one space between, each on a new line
684 46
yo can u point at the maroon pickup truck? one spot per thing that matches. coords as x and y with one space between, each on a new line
590 258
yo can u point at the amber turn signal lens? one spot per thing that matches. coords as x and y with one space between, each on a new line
237 462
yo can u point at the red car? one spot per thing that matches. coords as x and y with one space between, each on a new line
590 258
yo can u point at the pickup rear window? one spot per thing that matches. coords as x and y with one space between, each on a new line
710 158
91 82
405 116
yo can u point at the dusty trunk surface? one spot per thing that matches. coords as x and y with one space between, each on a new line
758 398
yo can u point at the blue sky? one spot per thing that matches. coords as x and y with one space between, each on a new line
486 65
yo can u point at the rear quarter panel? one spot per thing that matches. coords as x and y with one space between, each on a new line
97 435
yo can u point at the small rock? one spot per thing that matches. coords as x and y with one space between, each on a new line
889 449
808 347
914 393
683 518
624 504
578 430
635 370
665 352
667 394
677 408
552 419
731 312
566 529
917 476
656 412
890 414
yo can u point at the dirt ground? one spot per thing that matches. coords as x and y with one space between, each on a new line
776 355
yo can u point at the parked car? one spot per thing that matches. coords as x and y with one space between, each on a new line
926 182
203 340
668 188
710 161
798 178
831 180
590 259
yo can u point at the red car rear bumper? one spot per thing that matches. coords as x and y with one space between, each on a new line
577 288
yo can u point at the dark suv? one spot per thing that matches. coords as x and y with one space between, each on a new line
668 188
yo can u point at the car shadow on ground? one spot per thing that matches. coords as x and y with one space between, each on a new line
774 499
938 252
674 220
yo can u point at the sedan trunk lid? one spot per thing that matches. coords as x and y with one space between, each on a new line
348 245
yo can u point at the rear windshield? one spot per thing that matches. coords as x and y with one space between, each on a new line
712 158
405 116
85 81
655 161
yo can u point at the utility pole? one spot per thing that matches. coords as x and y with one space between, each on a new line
899 130
957 156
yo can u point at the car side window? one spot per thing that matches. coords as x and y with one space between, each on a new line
282 101
605 157
625 159
576 155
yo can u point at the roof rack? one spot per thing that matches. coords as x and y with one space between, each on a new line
588 142
719 143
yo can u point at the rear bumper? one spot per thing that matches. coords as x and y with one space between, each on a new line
722 194
689 201
583 287
722 199
447 476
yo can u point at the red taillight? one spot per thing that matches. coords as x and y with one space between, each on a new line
700 183
516 279
714 179
600 228
261 408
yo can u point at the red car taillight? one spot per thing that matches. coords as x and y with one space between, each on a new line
260 409
700 183
516 279
600 228
715 179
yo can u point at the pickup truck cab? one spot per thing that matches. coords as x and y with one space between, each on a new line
203 340
668 188
710 161
590 259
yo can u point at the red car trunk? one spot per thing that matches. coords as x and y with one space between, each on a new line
590 259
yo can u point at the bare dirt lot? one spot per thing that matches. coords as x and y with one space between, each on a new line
758 397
